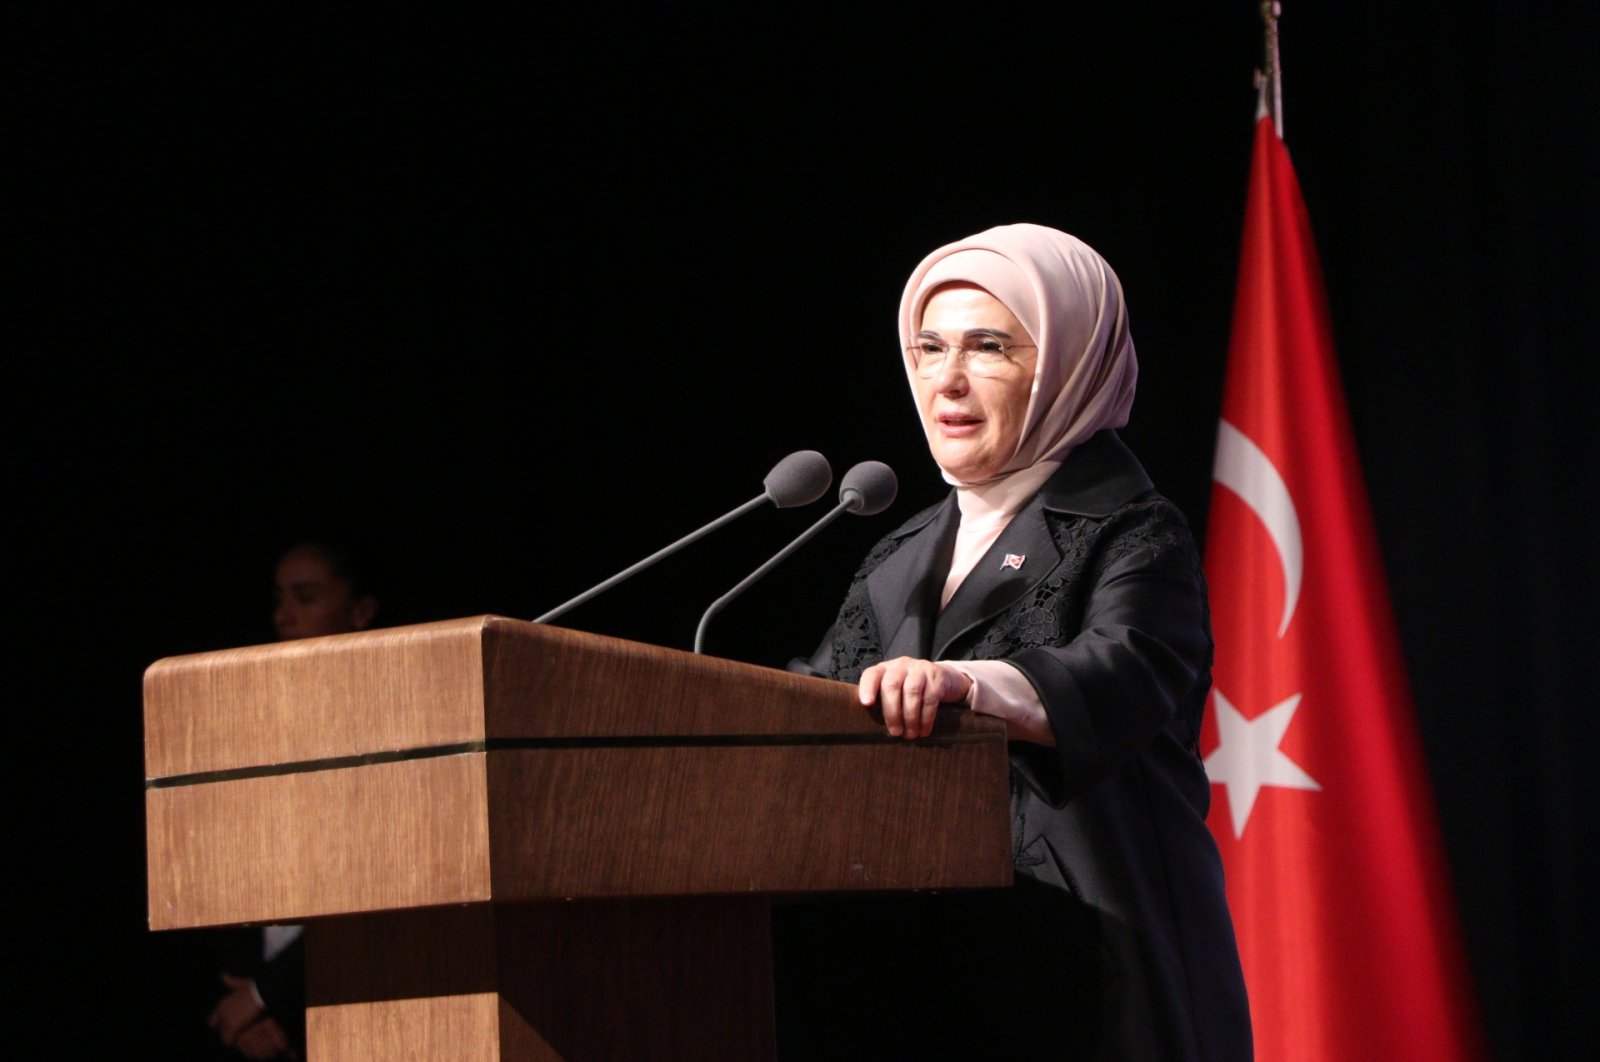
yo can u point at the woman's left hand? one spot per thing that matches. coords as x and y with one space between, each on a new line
909 691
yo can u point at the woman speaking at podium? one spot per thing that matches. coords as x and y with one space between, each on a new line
1056 590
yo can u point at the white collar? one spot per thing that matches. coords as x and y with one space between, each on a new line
987 505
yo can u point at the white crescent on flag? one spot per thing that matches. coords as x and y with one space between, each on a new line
1243 468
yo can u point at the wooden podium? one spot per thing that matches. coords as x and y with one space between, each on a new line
510 840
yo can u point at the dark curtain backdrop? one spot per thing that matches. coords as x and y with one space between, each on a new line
517 304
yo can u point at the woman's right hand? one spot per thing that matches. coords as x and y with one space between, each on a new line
909 692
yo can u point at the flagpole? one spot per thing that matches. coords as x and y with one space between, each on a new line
1271 81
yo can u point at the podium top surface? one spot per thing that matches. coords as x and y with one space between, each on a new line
459 682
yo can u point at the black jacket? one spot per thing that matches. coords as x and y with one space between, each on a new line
1116 941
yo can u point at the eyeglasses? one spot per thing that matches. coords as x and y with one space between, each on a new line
980 355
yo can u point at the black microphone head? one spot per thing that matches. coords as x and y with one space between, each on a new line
799 479
868 488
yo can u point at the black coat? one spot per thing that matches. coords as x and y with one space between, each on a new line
1115 941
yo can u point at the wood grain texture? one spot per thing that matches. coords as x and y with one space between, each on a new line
757 781
421 984
646 979
315 698
542 681
533 824
669 791
286 848
761 819
463 1028
576 981
459 681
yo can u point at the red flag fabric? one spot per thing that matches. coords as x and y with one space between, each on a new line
1336 879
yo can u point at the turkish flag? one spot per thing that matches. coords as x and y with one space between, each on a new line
1336 878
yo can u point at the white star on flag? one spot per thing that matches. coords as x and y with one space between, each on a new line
1247 756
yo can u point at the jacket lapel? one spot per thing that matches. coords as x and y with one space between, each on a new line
905 588
1096 479
993 586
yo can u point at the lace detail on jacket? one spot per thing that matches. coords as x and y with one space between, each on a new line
1052 613
857 642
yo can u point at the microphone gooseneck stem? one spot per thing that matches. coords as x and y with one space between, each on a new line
692 536
777 558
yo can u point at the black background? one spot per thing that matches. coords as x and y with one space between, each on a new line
518 303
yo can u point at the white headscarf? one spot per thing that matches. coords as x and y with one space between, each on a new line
1070 302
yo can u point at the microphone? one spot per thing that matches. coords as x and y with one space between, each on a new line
799 479
867 489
